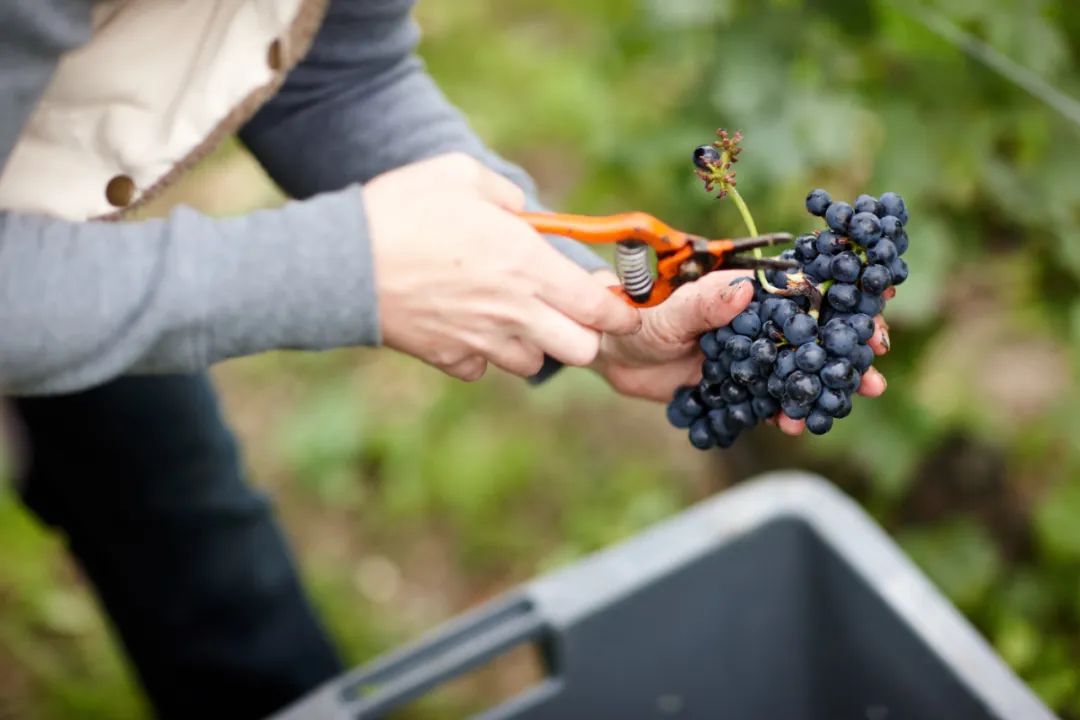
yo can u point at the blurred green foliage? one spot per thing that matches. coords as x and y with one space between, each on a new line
411 497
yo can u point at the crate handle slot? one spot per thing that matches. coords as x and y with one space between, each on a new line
471 643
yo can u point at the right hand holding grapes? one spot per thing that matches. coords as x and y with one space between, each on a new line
462 281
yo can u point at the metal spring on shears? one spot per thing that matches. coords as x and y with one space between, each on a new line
632 267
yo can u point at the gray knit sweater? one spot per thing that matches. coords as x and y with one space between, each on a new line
81 303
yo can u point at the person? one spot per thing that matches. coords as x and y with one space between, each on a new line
401 233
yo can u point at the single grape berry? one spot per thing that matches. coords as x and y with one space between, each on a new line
863 325
745 371
732 392
720 423
747 323
776 386
806 248
676 417
829 243
891 226
810 357
706 157
843 297
709 345
738 346
817 202
763 352
722 334
898 269
802 387
713 371
818 422
839 338
759 386
701 435
794 410
838 216
862 358
710 395
819 269
870 304
800 329
866 203
742 414
831 400
845 267
901 242
785 362
837 373
893 204
884 252
785 310
764 407
865 228
689 403
875 279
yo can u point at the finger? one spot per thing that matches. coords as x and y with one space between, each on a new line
880 342
789 426
560 337
889 293
573 292
703 305
497 189
873 383
470 369
516 357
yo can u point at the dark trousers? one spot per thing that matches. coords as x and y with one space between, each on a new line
144 480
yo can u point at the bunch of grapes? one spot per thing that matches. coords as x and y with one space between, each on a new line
801 346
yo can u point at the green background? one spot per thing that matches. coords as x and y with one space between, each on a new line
411 497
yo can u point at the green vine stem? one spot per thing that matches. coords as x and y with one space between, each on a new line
751 227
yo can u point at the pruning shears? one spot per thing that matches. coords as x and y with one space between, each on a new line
680 257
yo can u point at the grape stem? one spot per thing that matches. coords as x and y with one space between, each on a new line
751 227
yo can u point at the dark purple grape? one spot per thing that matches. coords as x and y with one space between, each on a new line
711 394
701 435
709 345
866 203
723 333
776 385
676 417
863 325
829 243
713 371
865 228
884 252
893 204
875 279
810 357
689 403
891 227
837 373
831 400
721 424
838 216
764 407
898 270
817 202
747 323
745 371
845 409
785 310
843 297
742 414
870 304
763 351
738 346
706 157
768 305
818 422
801 387
732 392
845 267
901 243
862 358
758 387
819 269
800 329
771 331
794 410
839 338
785 362
806 248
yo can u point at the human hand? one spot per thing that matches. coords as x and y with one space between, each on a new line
664 354
462 281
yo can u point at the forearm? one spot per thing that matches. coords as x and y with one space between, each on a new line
361 103
81 303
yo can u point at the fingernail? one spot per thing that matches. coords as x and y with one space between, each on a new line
740 279
885 338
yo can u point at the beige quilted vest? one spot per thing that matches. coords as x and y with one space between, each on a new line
159 84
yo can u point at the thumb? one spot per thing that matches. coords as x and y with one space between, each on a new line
703 305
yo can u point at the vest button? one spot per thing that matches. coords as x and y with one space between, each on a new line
274 56
120 191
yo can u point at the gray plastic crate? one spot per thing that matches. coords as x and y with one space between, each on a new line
779 599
